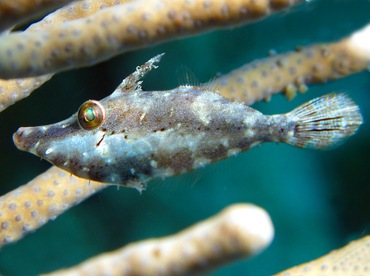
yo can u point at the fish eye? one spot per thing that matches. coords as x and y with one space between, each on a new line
91 115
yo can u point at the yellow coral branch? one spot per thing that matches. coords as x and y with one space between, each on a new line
122 28
14 90
75 11
28 207
352 259
239 231
14 11
290 72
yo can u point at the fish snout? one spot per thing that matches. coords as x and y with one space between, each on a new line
26 138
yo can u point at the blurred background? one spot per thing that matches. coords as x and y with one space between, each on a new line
318 200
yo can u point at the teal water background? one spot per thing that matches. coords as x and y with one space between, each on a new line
318 200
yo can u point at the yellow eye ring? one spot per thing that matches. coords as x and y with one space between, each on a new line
91 115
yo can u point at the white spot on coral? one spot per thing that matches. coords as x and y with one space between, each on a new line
49 150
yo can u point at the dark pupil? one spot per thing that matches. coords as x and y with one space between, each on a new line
89 114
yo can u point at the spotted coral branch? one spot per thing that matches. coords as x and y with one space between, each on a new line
290 72
11 91
352 259
239 231
75 11
122 28
28 207
14 90
15 11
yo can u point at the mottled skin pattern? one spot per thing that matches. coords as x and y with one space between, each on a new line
164 133
149 134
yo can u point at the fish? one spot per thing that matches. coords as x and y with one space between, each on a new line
133 135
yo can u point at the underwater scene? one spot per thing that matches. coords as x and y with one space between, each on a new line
318 200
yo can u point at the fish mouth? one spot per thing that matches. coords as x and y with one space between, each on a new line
25 138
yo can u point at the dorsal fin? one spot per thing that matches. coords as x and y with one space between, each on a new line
133 81
186 77
212 85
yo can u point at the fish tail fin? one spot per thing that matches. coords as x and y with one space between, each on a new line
324 122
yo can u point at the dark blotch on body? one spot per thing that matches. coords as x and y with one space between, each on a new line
179 161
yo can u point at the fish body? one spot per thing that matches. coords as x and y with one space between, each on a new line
134 135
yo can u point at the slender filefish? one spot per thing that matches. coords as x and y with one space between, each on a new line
134 135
